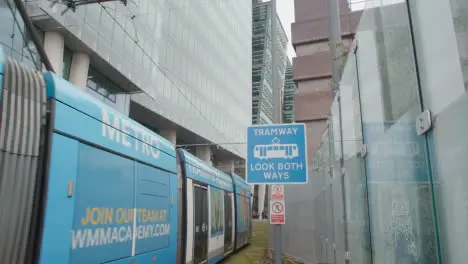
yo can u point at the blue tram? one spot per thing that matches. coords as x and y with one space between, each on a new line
80 183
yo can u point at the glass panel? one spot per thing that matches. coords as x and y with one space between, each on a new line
92 81
443 65
67 60
400 202
336 192
7 25
93 15
107 23
13 37
355 185
103 85
323 229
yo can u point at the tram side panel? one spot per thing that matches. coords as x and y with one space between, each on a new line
242 211
216 224
235 211
107 202
197 222
229 225
241 219
197 214
210 211
238 221
249 218
182 212
190 223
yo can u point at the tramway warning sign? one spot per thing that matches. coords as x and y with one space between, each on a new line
276 154
277 192
277 212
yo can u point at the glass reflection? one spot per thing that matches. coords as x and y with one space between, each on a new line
355 184
444 76
398 180
15 41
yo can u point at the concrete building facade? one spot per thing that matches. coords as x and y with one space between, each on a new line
289 93
160 63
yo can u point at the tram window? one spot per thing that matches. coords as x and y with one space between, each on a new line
281 148
276 148
270 148
294 147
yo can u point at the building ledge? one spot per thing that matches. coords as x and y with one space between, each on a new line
49 21
349 35
312 119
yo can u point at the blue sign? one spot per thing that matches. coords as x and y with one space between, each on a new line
276 154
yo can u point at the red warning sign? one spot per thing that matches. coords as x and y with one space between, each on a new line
277 212
277 192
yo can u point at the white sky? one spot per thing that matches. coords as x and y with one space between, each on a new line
285 10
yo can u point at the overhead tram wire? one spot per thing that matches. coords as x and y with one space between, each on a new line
48 64
73 4
134 19
163 71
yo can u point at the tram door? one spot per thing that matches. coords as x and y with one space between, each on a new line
200 250
227 222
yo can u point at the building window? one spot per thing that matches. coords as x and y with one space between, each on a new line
102 85
67 60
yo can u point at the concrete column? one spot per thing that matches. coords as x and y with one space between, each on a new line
204 153
79 69
54 46
169 134
226 166
261 198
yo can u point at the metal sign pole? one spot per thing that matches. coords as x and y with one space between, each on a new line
278 250
337 50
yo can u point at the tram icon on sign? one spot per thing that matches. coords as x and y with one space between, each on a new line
276 150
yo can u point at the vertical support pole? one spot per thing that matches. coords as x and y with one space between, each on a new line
335 42
336 47
278 243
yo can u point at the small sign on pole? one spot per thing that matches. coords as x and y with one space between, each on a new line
277 192
277 212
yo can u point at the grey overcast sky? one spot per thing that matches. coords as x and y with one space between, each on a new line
285 10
